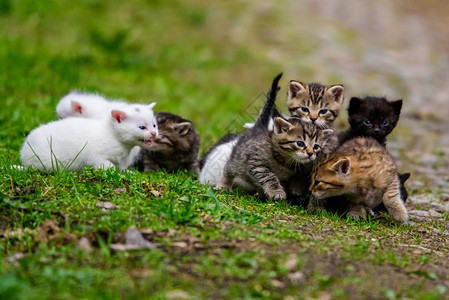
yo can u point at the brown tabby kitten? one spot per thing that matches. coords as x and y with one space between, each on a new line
362 171
265 161
314 102
175 148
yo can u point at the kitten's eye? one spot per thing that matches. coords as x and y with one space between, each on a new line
316 182
154 125
300 144
323 111
367 123
143 127
304 109
316 147
385 123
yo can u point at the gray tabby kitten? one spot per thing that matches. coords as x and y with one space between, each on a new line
175 148
266 161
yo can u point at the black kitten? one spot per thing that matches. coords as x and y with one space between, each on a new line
371 116
375 117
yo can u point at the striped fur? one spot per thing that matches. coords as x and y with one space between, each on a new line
267 161
314 102
176 147
363 172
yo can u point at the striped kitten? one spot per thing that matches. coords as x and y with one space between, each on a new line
363 172
175 148
266 161
214 161
314 102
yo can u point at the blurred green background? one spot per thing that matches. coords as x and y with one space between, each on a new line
211 62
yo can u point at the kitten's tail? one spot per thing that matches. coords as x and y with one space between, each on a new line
269 109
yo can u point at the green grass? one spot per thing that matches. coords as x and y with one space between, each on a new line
210 244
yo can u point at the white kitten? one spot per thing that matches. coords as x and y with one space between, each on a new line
75 143
78 104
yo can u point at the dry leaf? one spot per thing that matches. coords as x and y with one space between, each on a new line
48 231
292 263
120 190
133 241
107 205
180 244
278 284
14 259
84 244
297 278
155 193
177 294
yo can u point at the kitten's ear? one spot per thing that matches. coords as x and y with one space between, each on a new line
182 128
77 107
343 166
404 177
327 133
294 87
151 105
397 105
354 105
281 125
118 115
338 92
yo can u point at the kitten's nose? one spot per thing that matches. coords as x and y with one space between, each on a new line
376 129
310 154
153 134
313 119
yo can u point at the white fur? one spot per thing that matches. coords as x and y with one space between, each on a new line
213 168
75 143
89 106
251 125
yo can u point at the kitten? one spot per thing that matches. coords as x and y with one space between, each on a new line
86 105
362 171
372 117
175 148
213 162
314 102
266 161
376 118
75 143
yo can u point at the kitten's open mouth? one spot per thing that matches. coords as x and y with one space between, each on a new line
146 142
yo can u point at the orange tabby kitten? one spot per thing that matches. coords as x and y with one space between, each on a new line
363 172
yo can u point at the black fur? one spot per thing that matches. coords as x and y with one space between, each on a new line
372 117
269 107
261 123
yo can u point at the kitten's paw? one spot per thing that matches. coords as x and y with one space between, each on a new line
277 195
369 211
356 215
357 212
222 187
225 184
400 217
